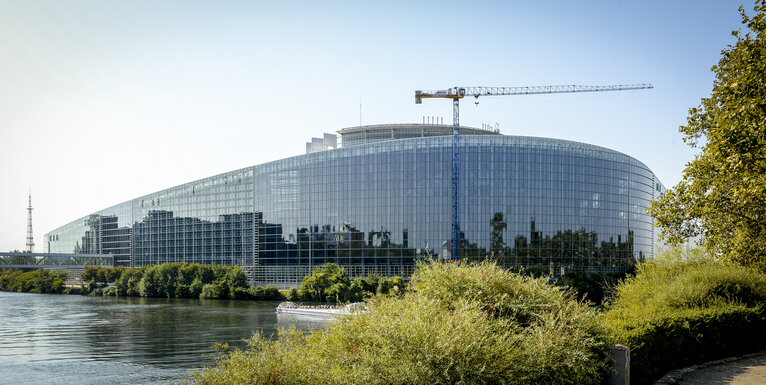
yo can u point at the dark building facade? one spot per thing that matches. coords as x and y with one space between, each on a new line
379 205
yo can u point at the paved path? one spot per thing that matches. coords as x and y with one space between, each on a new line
750 370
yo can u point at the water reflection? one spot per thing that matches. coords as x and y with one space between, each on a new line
75 339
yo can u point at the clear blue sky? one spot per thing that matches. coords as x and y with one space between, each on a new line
104 101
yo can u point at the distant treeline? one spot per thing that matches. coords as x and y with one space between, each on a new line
327 283
35 281
175 280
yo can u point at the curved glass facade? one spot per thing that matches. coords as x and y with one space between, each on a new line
378 207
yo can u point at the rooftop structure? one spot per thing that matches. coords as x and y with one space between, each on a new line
353 136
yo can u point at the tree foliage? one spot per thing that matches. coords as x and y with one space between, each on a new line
722 195
175 280
35 281
685 308
331 283
458 324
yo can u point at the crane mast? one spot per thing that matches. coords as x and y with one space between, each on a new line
457 93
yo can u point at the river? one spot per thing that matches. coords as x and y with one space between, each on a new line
72 339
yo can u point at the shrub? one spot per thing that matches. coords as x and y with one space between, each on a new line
240 293
324 284
215 291
149 286
89 273
35 281
90 286
268 293
495 327
391 286
293 294
128 283
109 292
591 286
330 282
182 290
102 275
681 311
195 289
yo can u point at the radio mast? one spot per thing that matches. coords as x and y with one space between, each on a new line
30 237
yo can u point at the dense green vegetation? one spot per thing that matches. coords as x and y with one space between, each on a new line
175 280
330 282
722 195
478 323
593 287
469 324
687 308
35 281
690 309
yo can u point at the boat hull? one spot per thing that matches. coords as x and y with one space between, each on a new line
316 312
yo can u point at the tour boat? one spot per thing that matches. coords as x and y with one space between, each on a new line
320 310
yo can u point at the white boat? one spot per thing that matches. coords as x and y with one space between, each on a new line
323 310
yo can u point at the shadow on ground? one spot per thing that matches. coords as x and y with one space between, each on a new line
746 371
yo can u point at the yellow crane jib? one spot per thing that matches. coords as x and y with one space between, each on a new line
455 93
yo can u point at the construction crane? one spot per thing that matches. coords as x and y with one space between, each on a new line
457 93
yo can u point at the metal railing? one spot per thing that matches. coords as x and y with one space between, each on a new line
51 260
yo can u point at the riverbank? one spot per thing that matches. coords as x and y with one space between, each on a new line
169 280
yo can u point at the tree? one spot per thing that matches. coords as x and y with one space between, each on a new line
722 195
497 225
314 287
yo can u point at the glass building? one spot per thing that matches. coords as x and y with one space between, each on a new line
380 203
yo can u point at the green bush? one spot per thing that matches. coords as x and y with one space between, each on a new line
241 293
268 293
109 292
101 275
91 286
330 283
170 280
195 289
494 327
149 285
35 281
591 286
684 309
293 294
329 277
214 291
127 283
89 273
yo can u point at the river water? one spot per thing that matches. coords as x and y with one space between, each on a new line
72 339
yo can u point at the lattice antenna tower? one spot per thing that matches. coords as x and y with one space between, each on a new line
30 237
